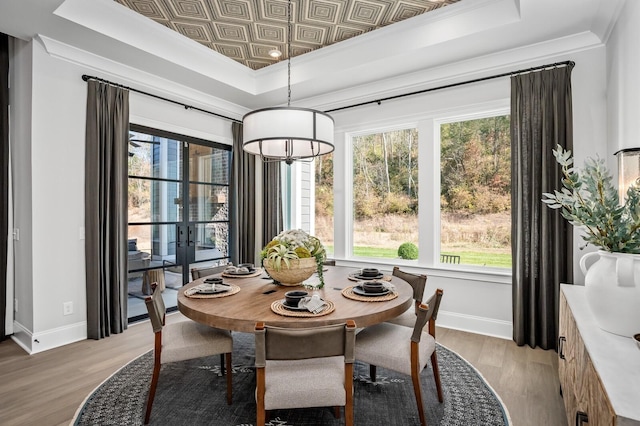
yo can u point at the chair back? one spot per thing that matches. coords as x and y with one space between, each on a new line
203 272
427 312
156 308
275 343
418 282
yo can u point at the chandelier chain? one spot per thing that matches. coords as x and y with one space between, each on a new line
289 54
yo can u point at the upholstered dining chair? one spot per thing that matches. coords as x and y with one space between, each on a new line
305 367
404 349
181 341
205 272
419 283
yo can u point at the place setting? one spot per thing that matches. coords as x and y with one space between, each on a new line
368 274
243 270
374 288
213 287
299 303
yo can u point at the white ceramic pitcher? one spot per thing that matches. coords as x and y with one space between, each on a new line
612 287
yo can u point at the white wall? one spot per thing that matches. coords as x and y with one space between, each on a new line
623 80
475 302
49 187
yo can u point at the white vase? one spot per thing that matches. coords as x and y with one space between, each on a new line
612 289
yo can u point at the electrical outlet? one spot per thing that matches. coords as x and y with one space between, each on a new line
67 308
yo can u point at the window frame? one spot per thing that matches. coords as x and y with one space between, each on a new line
428 126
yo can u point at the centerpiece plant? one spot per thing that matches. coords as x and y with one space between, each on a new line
291 245
589 199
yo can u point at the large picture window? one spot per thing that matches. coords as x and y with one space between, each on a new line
475 192
385 193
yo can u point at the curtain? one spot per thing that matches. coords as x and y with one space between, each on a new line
4 176
272 205
107 132
541 118
242 201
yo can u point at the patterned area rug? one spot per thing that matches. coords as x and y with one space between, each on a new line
193 393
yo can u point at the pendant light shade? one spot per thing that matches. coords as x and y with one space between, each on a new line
287 133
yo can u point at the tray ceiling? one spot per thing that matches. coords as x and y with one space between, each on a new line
245 30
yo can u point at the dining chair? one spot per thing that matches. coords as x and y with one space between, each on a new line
181 341
305 367
404 349
419 283
205 272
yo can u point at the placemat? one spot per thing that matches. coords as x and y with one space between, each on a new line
352 277
349 294
257 272
234 290
281 310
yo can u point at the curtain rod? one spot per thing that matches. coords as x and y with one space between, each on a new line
89 77
448 86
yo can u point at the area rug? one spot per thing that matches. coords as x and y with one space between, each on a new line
193 393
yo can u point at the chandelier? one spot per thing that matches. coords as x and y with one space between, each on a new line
287 133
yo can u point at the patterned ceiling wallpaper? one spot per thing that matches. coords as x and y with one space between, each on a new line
246 30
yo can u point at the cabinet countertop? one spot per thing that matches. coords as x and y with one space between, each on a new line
615 358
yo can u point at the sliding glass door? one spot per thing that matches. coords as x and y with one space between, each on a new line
178 211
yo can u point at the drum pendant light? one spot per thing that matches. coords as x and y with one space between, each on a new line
287 133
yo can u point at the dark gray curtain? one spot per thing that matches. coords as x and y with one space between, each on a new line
4 176
272 204
541 118
107 131
242 201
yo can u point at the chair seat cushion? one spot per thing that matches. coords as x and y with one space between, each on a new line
317 382
188 340
389 346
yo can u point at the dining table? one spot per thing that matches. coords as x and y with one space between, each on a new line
257 298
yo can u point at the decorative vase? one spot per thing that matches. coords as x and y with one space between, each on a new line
294 274
612 289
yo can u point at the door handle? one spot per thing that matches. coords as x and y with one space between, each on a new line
581 418
561 341
192 232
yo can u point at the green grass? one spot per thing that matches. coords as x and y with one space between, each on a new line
478 258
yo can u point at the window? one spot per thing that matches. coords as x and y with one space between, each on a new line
475 192
324 201
385 193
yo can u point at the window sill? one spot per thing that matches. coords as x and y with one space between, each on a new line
465 272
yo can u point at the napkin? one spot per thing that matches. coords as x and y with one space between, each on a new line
205 287
313 304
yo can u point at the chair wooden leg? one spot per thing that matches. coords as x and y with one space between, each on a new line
372 372
436 375
415 378
229 377
152 391
348 408
222 365
260 411
336 412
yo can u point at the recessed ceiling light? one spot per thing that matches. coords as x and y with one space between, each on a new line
275 53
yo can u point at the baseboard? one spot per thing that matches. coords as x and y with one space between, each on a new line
474 324
22 336
49 339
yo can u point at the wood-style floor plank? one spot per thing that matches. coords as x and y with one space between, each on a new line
48 388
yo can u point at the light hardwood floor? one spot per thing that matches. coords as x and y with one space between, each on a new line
47 388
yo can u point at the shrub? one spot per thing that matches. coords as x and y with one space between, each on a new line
408 251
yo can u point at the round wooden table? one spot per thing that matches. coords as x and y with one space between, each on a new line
252 304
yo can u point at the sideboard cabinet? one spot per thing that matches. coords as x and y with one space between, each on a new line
599 371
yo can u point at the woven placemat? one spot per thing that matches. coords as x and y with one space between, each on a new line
281 310
353 277
349 294
234 290
257 272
